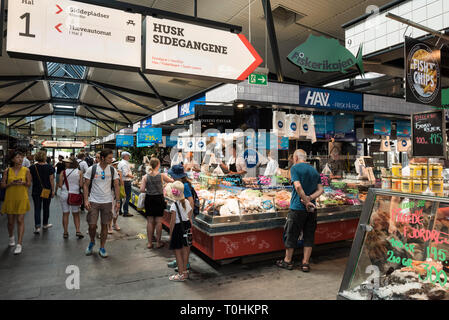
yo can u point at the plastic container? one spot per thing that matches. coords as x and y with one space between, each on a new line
396 184
406 186
415 171
396 170
417 186
436 185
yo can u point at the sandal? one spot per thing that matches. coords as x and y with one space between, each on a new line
150 246
161 245
79 235
66 235
116 228
177 277
305 267
285 265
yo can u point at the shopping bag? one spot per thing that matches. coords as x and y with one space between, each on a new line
141 201
122 192
385 144
291 121
279 123
403 144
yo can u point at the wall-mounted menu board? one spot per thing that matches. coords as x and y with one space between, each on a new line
429 134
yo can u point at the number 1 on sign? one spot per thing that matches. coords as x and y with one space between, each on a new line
27 26
436 138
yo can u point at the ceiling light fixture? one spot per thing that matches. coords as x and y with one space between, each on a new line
240 105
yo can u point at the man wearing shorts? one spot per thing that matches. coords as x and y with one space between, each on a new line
98 198
302 216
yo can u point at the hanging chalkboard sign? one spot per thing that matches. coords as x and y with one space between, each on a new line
429 134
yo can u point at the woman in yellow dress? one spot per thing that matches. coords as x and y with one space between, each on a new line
16 179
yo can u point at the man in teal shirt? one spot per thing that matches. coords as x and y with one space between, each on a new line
302 216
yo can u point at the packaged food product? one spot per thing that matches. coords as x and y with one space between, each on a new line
417 185
406 185
424 171
436 185
396 184
396 170
386 183
437 171
424 185
415 171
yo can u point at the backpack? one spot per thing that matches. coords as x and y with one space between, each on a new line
89 161
196 201
92 176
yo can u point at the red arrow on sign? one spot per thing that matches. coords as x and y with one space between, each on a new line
258 60
57 27
60 9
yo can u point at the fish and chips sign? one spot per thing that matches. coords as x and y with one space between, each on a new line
423 76
325 55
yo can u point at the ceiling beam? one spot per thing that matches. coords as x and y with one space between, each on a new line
113 105
273 40
98 119
23 125
20 110
93 123
18 94
151 85
27 115
111 109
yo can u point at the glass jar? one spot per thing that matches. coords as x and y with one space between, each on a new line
396 184
415 171
396 170
437 171
406 185
424 171
437 185
386 183
417 185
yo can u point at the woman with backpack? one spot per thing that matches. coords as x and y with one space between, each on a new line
180 228
154 201
70 182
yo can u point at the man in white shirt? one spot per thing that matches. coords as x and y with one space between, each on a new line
98 200
127 175
82 163
236 165
26 163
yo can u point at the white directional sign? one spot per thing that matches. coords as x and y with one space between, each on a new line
75 32
184 49
63 144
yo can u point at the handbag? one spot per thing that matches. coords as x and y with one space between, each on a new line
73 199
122 192
187 236
45 194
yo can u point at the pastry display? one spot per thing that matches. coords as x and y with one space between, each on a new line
282 199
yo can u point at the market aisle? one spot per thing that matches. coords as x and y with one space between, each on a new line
133 272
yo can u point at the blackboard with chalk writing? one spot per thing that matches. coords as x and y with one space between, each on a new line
429 134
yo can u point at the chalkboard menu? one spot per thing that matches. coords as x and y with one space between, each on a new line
429 134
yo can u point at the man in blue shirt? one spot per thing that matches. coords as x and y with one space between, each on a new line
302 216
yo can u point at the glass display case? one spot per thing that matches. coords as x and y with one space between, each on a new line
401 249
228 204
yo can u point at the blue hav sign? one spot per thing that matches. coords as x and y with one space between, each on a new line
344 127
403 128
324 126
188 108
124 141
148 136
330 99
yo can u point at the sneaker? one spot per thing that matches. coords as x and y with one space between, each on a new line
48 226
90 248
37 230
12 241
103 253
172 264
18 249
188 268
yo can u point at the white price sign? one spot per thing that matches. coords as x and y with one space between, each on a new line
184 49
75 32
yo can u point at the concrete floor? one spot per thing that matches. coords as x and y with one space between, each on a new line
133 272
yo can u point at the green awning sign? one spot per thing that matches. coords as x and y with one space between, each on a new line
325 55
